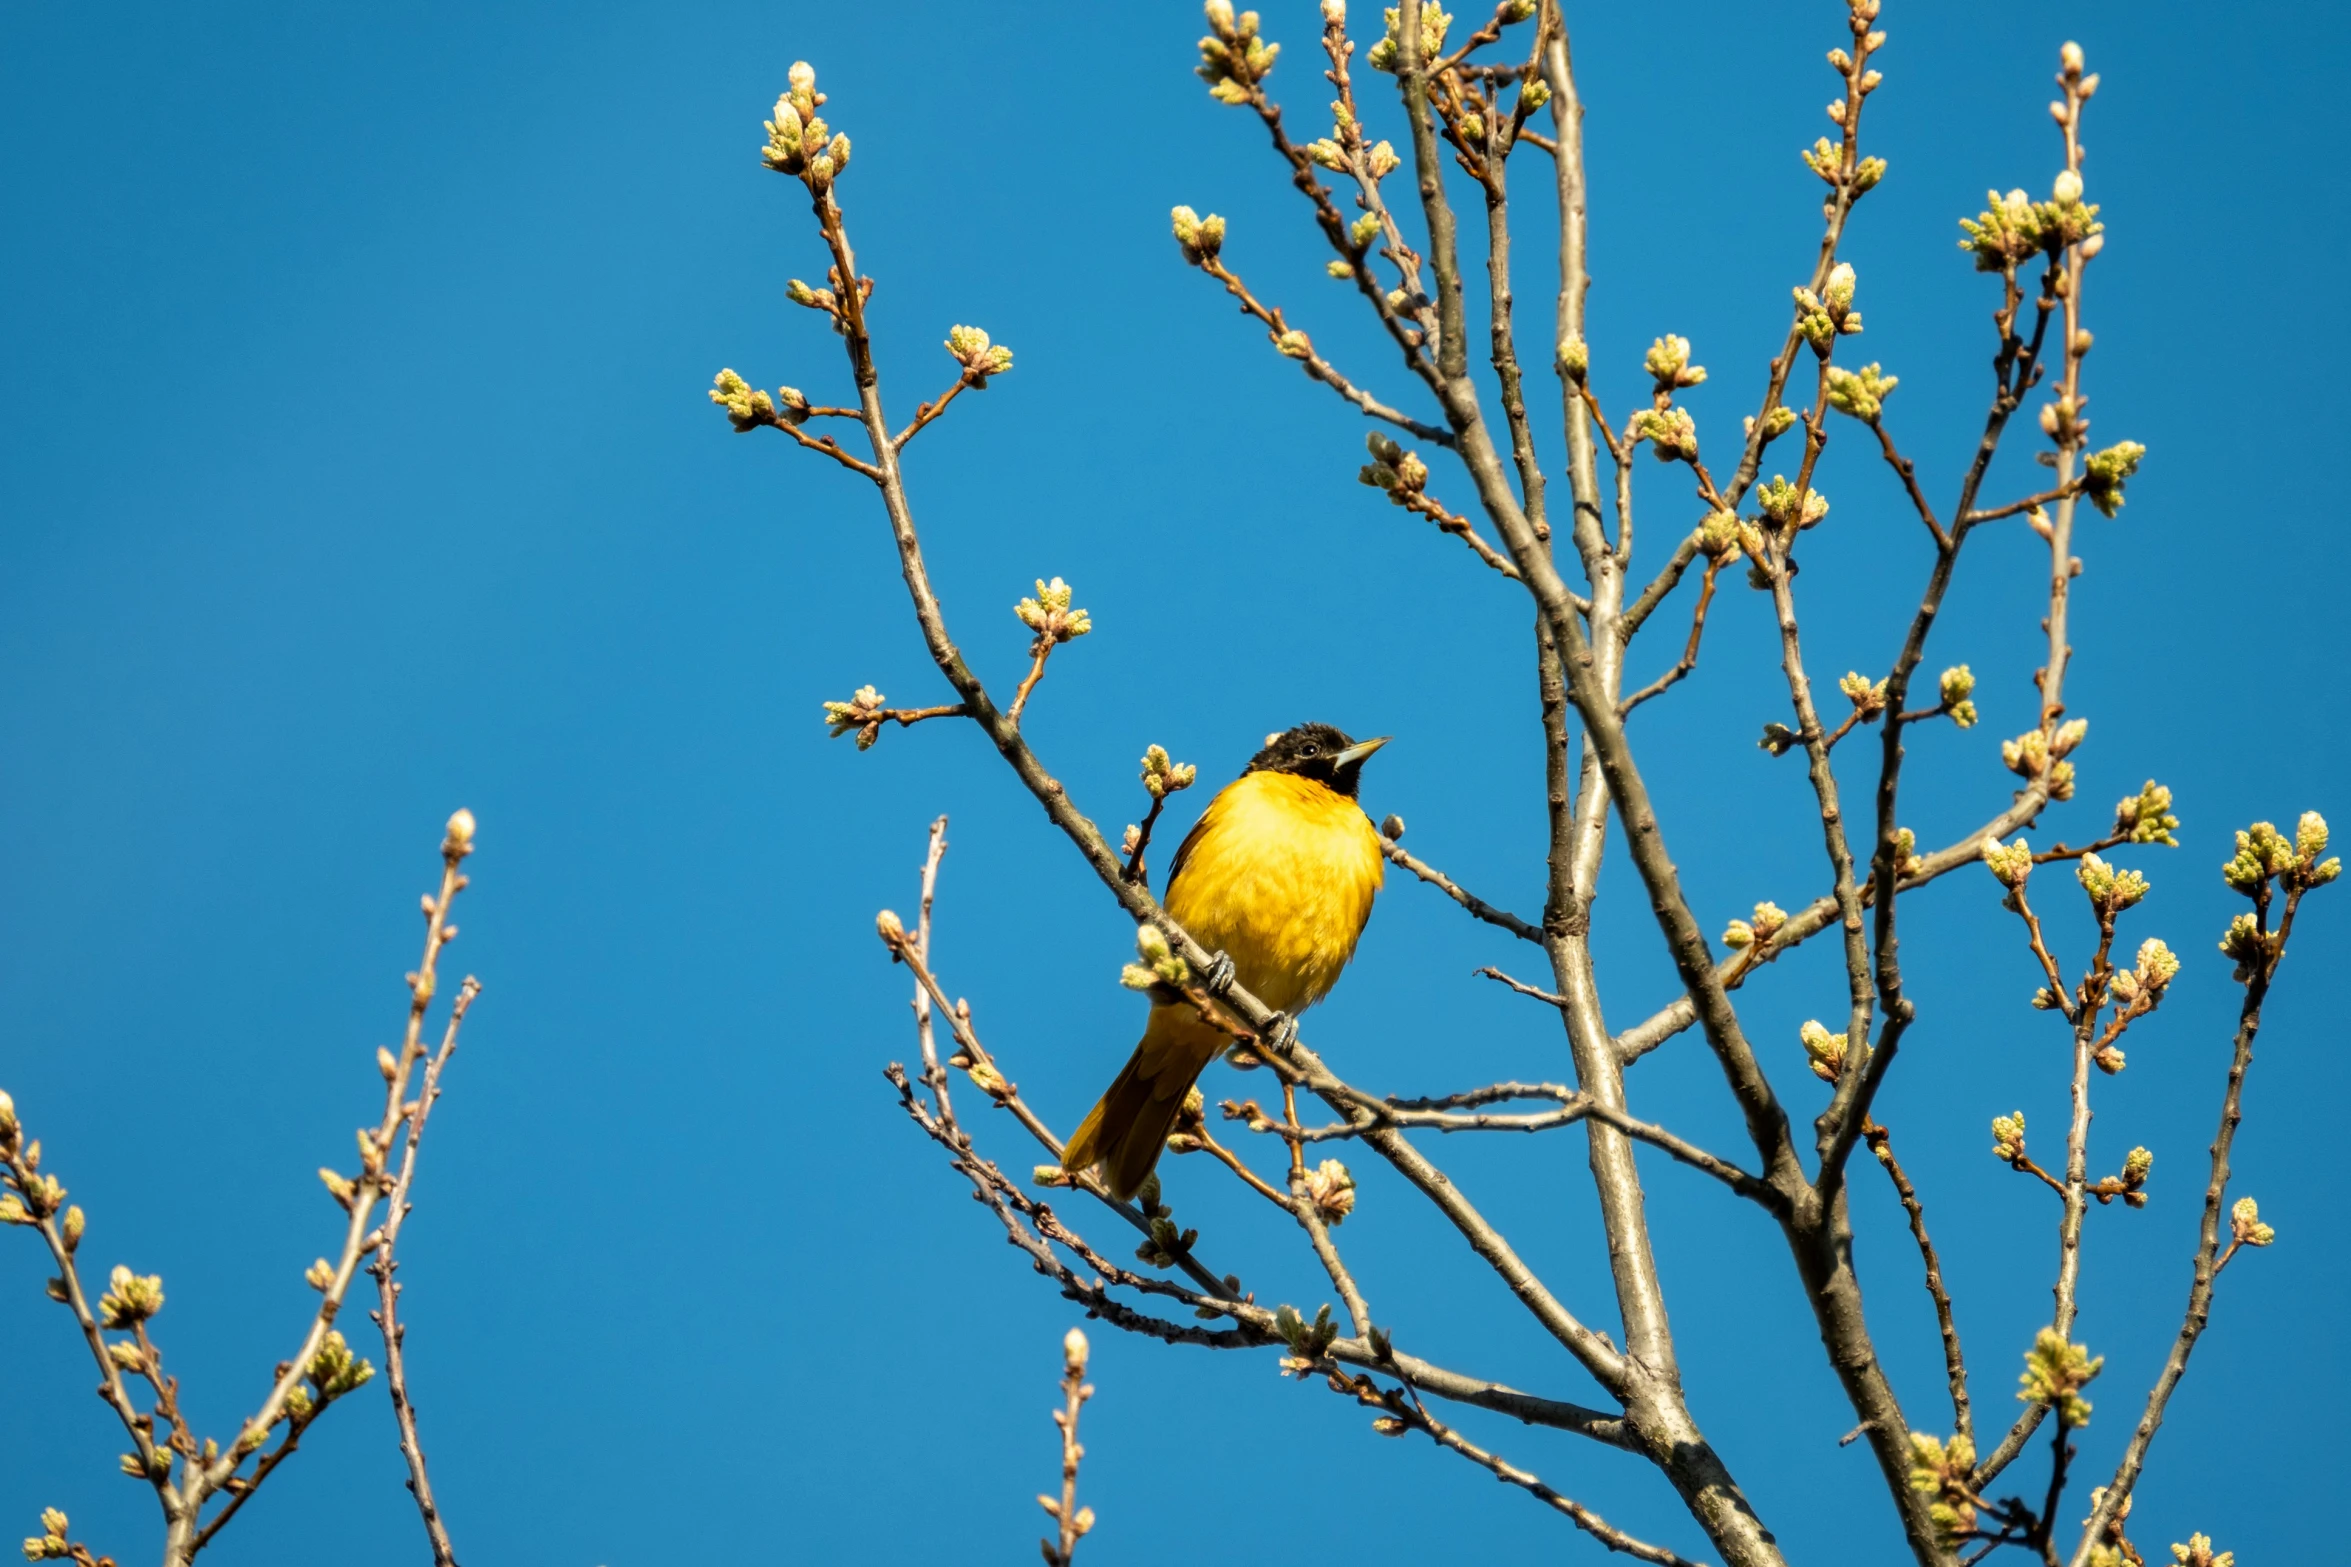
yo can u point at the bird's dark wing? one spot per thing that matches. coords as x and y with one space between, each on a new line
1175 867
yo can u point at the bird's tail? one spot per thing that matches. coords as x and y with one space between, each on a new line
1128 1127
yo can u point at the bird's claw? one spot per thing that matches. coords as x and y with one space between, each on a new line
1219 978
1282 1032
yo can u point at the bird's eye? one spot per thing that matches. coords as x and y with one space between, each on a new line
1310 749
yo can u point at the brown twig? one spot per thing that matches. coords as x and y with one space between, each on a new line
388 1290
2208 1258
1881 1143
1522 988
1689 658
1296 345
924 413
1074 1521
1445 884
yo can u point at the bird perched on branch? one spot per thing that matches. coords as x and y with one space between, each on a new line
1277 877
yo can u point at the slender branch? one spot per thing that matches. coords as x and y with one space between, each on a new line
1413 1415
1522 988
2030 503
924 413
832 448
1667 579
1074 1521
1954 1362
1689 658
388 1289
1254 1324
1297 345
2205 1268
1426 505
203 1479
1477 906
1908 473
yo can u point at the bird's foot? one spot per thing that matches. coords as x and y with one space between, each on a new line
1219 978
1281 1033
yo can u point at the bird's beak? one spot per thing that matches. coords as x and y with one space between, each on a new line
1355 754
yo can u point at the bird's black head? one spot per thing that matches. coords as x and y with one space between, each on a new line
1319 752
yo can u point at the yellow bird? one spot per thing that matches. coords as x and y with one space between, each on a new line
1277 876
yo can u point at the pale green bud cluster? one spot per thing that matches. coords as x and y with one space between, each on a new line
2055 1372
747 408
2035 754
130 1299
1668 360
1824 317
1782 504
1824 1052
1294 344
1722 537
2155 969
2104 474
1574 358
50 1544
2111 890
2008 1137
1233 58
1159 965
980 358
1671 432
1308 1341
1906 857
2250 947
1957 687
2014 228
1364 230
1775 424
2264 853
1945 1472
2198 1551
1434 19
1861 393
797 138
862 712
1533 96
2062 420
2137 1165
2245 1221
1162 777
2147 817
1393 469
1332 1191
1765 924
1868 699
1049 614
334 1370
1199 237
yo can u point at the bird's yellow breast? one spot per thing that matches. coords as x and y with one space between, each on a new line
1280 875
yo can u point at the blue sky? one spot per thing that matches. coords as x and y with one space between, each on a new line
355 466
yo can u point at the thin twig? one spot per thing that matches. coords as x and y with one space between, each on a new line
1446 885
1954 1362
388 1289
